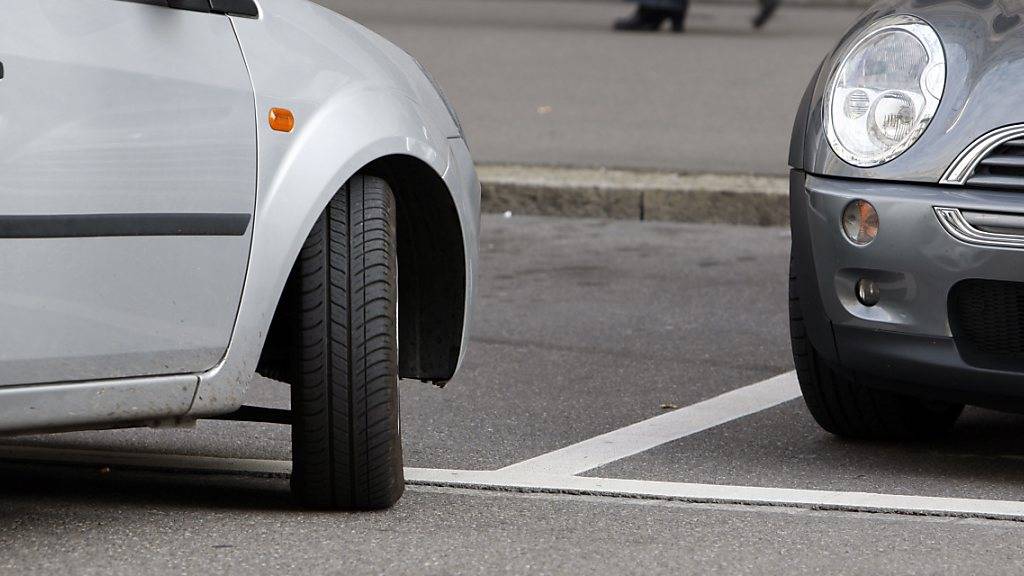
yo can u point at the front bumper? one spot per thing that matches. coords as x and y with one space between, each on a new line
916 262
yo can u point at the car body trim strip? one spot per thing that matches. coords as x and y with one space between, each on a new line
84 405
246 8
114 225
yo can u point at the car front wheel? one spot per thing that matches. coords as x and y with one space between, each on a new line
346 437
855 405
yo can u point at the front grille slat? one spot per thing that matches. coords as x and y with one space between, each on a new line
987 319
1006 160
1001 168
994 181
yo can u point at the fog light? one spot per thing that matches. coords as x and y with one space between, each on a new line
868 293
860 222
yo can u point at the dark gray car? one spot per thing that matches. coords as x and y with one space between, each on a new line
907 205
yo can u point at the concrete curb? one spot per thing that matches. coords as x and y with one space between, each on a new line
635 195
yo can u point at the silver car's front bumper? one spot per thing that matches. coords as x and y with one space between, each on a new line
916 262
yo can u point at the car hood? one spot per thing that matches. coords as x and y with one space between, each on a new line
984 45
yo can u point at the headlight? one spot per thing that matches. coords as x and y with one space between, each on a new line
884 92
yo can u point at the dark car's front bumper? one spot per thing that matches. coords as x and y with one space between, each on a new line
906 337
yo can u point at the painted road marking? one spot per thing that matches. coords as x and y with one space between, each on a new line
557 472
643 436
502 480
721 494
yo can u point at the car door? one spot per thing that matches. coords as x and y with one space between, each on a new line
127 188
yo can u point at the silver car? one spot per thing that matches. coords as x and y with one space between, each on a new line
907 271
196 191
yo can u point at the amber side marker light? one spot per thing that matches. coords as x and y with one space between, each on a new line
282 120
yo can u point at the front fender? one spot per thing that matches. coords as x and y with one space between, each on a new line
348 112
293 192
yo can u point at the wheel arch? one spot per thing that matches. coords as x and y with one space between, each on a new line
432 279
432 275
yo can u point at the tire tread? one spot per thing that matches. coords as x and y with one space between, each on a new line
346 440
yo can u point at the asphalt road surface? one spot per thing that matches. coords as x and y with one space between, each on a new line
542 82
668 339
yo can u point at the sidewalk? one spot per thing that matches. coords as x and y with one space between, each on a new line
547 83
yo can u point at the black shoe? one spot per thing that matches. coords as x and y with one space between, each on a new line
768 8
644 20
678 17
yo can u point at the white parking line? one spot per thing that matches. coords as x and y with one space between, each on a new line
556 472
722 494
551 484
643 436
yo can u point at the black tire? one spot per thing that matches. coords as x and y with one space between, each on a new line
346 436
856 405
